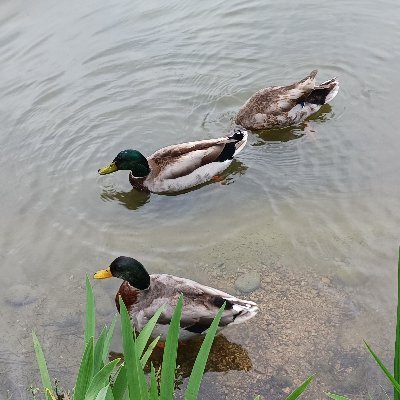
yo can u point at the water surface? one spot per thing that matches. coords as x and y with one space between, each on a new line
83 80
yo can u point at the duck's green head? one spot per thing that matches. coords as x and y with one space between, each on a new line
131 160
129 270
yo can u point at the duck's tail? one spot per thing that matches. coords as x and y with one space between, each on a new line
324 92
238 136
243 310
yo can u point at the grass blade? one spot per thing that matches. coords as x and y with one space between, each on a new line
167 381
148 352
90 312
393 381
120 384
44 372
145 334
105 394
107 342
85 372
100 380
98 352
397 343
196 376
298 391
336 396
257 398
153 384
137 385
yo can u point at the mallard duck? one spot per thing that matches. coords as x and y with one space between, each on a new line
144 294
279 106
180 166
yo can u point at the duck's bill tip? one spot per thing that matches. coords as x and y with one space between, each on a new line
103 274
109 169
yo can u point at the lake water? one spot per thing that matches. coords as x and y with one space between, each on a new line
81 81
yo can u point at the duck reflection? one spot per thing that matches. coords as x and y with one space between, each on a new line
224 356
287 134
135 199
132 200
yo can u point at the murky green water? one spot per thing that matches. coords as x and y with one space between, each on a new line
81 81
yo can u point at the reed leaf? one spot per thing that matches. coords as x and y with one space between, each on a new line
167 381
100 380
85 372
105 394
397 343
393 381
153 384
120 383
107 341
336 396
90 312
146 332
148 351
98 351
298 391
196 376
44 372
134 373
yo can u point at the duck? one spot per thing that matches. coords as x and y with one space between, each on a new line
281 106
180 166
144 294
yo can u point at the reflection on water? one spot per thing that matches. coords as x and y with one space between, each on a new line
132 200
286 134
224 356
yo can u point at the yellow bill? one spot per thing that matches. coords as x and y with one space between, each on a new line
103 274
109 169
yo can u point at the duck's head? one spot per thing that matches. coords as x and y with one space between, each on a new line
129 270
131 160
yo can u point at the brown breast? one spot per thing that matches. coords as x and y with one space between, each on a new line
128 294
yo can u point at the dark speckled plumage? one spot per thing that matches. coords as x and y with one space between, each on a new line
280 106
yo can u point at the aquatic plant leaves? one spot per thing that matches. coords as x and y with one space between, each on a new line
167 381
90 312
299 390
85 372
100 380
44 372
196 376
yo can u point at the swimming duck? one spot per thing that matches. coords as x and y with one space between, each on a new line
279 106
144 294
180 166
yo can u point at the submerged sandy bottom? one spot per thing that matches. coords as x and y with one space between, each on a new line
308 323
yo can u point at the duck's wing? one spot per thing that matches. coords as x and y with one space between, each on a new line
278 99
182 159
201 304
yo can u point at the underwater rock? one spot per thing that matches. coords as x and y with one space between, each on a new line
20 295
248 282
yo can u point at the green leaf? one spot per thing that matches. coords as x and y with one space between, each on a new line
336 396
44 372
98 351
137 385
393 381
90 312
105 394
120 384
258 398
153 384
298 391
146 332
85 372
196 376
167 381
107 342
100 380
397 343
148 352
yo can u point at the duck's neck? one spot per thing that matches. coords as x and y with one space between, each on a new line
128 294
138 183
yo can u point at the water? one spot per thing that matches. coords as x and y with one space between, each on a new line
82 81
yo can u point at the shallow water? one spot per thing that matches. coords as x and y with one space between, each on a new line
82 81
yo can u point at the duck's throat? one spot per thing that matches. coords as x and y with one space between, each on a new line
138 182
128 294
